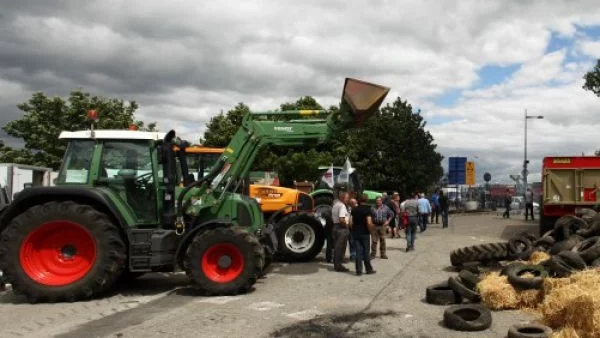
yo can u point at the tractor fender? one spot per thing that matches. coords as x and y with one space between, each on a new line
38 195
189 235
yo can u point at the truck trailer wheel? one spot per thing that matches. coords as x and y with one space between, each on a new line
224 261
61 251
301 237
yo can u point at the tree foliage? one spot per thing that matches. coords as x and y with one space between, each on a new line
392 151
221 128
45 117
592 80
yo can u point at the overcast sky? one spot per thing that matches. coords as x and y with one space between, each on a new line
472 67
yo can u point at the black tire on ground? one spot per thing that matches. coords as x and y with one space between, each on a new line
558 268
544 244
469 279
595 263
516 279
588 249
467 317
568 225
508 267
481 252
519 248
455 284
531 237
301 237
565 245
549 233
546 223
573 260
529 331
79 230
239 252
442 294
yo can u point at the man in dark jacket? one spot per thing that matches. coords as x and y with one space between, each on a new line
507 202
444 207
362 227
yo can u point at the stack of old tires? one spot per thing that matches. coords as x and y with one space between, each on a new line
573 245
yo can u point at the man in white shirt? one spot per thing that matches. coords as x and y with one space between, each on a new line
341 232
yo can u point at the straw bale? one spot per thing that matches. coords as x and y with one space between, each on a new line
497 293
566 332
538 256
573 301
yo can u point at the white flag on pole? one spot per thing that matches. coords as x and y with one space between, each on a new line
347 170
328 177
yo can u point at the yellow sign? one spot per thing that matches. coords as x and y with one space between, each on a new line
470 173
561 160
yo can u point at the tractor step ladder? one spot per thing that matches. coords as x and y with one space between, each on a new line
140 250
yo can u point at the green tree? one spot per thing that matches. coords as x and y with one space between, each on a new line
305 102
221 128
45 117
394 151
592 80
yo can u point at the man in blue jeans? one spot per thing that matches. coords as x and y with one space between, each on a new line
411 209
362 227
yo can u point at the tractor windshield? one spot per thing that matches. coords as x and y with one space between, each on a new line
76 163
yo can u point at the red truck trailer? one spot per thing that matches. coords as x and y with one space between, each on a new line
569 184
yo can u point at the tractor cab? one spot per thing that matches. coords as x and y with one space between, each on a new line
124 163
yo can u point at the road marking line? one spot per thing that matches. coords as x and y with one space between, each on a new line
304 315
264 306
219 300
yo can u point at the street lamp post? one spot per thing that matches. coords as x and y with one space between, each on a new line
525 161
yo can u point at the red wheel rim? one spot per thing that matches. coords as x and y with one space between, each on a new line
222 262
58 253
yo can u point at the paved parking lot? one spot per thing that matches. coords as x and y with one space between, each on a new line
294 300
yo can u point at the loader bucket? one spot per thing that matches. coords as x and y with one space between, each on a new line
360 100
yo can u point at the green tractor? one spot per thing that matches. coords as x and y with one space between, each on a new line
118 209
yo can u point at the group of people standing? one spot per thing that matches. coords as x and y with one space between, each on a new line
363 228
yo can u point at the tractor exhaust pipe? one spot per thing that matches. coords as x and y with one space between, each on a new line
360 100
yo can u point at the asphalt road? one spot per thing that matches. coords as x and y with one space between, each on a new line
294 300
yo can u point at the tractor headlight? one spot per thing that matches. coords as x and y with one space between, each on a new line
258 199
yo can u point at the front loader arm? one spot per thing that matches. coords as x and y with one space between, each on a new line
308 128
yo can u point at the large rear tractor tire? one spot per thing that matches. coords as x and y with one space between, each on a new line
301 237
61 251
224 261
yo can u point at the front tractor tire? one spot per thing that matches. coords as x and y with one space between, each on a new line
61 251
224 261
301 237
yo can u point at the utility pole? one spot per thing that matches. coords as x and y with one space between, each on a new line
525 172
